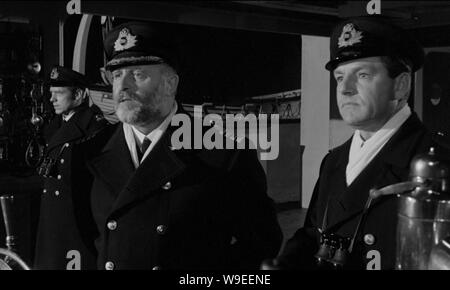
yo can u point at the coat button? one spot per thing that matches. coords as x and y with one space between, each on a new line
44 190
369 239
161 229
67 144
112 225
109 265
167 186
62 161
57 192
156 268
59 177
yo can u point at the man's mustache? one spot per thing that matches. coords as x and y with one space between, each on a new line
124 96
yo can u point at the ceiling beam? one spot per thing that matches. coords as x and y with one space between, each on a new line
170 12
293 6
409 4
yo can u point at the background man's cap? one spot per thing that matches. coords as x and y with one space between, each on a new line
65 77
137 43
369 36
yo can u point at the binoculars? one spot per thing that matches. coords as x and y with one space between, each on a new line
47 167
333 251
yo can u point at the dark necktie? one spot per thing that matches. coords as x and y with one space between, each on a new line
144 146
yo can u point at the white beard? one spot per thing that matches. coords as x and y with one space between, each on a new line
127 113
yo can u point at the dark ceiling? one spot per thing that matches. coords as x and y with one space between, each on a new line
409 14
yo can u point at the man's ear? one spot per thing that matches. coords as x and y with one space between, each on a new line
402 86
79 95
171 83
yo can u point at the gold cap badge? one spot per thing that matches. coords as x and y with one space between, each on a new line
349 36
54 74
125 40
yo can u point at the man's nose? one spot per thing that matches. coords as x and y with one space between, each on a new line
347 86
52 98
123 83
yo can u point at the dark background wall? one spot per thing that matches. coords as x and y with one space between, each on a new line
224 66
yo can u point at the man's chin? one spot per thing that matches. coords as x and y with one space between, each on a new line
126 116
353 122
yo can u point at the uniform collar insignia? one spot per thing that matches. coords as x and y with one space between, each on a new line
349 36
125 40
54 74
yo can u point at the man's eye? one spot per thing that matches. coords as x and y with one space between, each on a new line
339 79
138 75
116 75
363 75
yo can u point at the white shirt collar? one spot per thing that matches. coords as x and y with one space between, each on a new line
392 124
133 136
362 152
68 116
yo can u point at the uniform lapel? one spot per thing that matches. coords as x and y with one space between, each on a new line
71 130
389 166
160 167
52 128
336 186
114 165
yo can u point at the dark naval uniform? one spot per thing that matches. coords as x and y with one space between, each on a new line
66 228
375 242
336 213
65 212
180 209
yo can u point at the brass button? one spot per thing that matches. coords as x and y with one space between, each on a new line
156 268
59 177
67 144
112 225
44 190
161 229
57 192
167 186
369 239
62 161
109 265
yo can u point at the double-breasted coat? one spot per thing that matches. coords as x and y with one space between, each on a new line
375 243
180 209
65 228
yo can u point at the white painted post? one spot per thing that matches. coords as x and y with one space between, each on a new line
61 42
79 51
315 110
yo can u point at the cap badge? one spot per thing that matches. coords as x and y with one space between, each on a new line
125 40
349 36
54 74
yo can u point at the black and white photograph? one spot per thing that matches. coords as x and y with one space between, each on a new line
225 143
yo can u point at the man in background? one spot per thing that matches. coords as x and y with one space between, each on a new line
65 231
